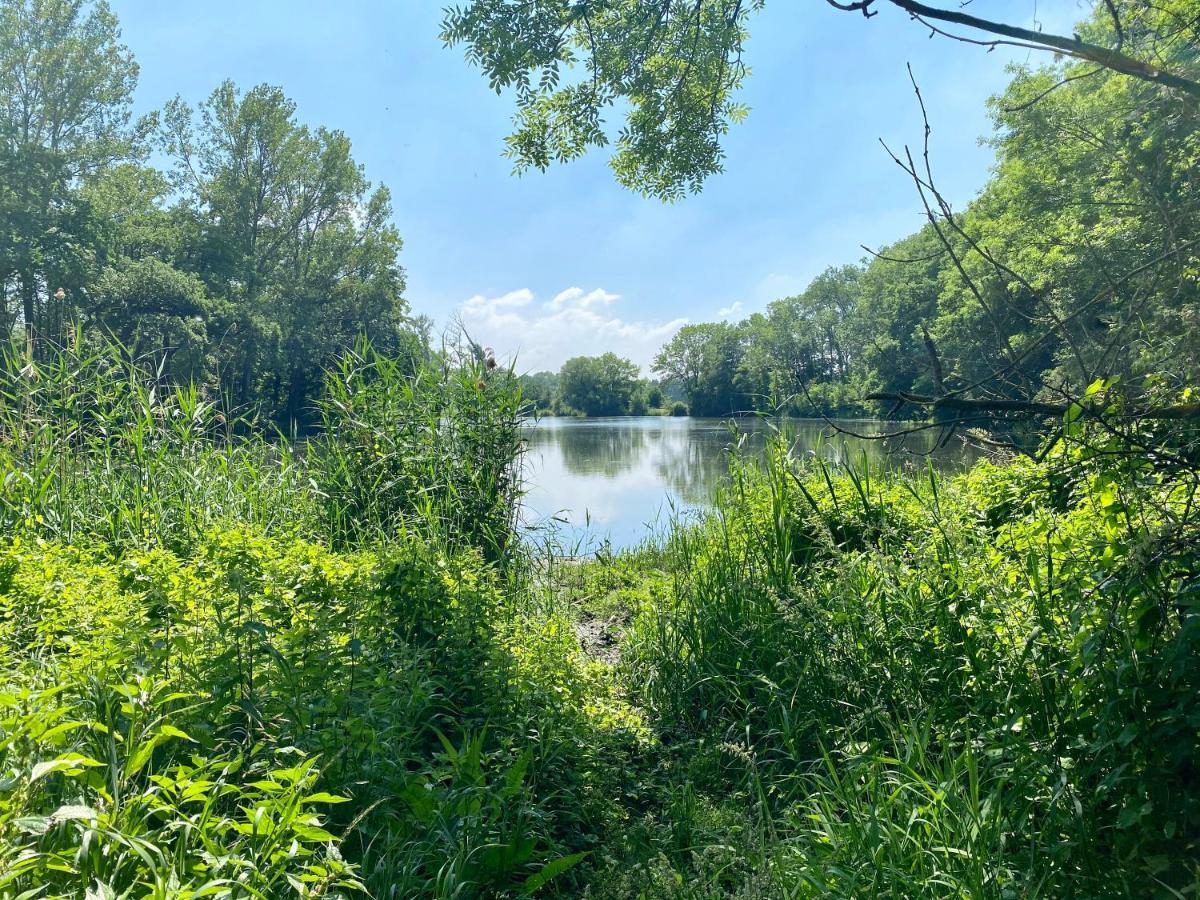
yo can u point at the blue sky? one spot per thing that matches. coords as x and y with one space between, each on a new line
548 266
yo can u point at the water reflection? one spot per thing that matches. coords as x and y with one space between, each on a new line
615 478
607 450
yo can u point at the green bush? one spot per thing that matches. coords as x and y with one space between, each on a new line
401 683
104 793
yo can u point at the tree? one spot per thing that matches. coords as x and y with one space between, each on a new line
289 237
804 344
264 253
66 84
540 390
599 385
897 296
674 67
1054 291
705 360
1094 210
152 307
1071 273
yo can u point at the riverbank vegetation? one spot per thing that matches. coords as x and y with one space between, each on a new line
230 671
234 663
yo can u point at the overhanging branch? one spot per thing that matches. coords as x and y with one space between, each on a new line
1176 412
1075 46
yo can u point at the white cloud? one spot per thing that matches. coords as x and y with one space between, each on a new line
731 311
574 296
573 323
523 297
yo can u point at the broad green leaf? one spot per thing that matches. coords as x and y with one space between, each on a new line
552 870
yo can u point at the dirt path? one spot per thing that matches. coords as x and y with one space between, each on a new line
601 638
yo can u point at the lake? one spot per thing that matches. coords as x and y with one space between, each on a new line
616 479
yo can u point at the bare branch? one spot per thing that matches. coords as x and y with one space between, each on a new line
1074 47
1050 90
1177 412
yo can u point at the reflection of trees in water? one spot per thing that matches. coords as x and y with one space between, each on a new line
812 438
603 449
690 457
692 463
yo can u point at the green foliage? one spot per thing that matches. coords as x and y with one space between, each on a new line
147 304
592 386
102 795
600 385
291 240
96 448
842 682
539 390
978 686
671 69
439 446
66 85
263 256
801 353
704 361
215 703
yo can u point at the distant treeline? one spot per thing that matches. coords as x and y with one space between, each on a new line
607 385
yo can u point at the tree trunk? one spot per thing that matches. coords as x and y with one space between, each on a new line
297 389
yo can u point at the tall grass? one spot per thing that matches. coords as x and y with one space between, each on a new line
966 686
442 444
93 446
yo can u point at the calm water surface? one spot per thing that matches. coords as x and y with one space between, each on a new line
616 479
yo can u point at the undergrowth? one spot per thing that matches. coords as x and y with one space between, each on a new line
234 667
981 685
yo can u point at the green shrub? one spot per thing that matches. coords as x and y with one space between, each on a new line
102 792
456 727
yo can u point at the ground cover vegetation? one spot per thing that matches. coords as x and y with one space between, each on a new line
233 664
